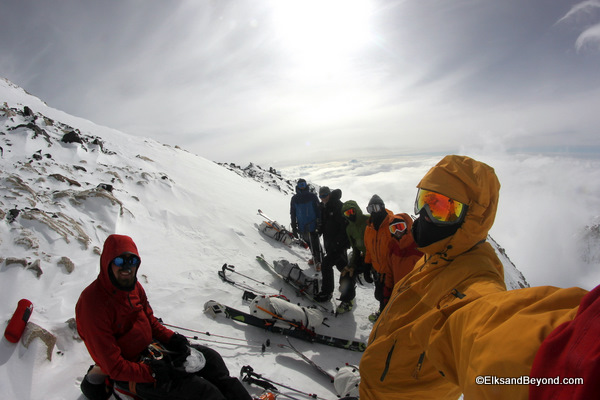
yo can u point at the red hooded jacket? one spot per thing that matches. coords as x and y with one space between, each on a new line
116 325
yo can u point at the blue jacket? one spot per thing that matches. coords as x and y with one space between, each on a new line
304 211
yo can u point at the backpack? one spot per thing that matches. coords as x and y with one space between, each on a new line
276 231
285 313
346 381
293 273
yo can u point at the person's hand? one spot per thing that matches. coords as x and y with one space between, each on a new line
178 344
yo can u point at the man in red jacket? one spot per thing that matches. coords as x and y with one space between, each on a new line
117 325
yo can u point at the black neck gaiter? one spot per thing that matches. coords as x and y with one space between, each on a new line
426 232
377 219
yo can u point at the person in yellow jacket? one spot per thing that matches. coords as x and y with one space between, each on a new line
451 321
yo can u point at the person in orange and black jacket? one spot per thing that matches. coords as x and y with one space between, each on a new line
451 321
378 242
117 325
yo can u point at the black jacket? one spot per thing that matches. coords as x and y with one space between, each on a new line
333 224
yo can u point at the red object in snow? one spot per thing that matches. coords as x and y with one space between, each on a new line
17 323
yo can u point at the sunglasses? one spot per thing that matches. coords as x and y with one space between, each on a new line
442 210
398 228
127 262
349 212
374 208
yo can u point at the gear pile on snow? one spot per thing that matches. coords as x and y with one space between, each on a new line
274 230
346 381
284 312
293 273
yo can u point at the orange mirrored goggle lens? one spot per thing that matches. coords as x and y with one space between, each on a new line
398 228
441 209
349 212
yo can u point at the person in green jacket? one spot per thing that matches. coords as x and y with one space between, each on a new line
357 223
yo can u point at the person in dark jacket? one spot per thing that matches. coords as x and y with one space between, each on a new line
306 219
335 240
130 345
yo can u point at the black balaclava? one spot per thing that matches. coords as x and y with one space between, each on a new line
426 232
377 217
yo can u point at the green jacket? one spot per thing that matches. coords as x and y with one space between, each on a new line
356 232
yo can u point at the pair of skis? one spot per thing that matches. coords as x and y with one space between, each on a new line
215 308
303 291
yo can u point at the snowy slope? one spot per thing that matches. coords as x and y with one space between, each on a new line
188 216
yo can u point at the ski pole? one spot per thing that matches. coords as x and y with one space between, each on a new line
262 347
267 343
232 269
305 358
251 375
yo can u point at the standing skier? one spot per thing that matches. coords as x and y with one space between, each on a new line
305 215
378 242
357 223
333 228
130 345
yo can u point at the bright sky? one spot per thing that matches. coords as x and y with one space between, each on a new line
285 81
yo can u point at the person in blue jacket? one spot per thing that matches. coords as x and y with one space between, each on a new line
305 214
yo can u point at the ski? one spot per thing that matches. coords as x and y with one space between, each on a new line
214 308
295 285
305 358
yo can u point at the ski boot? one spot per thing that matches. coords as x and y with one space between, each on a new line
373 317
344 307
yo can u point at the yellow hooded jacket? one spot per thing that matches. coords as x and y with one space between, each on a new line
451 318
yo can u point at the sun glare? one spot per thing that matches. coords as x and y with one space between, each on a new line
322 32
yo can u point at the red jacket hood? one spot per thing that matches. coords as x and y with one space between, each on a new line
114 246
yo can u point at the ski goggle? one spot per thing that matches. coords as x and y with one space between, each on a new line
374 208
442 210
398 228
127 262
301 185
349 212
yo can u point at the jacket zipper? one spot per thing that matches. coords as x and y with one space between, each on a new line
387 363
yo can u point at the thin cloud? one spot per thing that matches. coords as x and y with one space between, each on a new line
583 14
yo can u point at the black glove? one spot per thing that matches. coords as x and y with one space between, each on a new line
179 347
162 371
178 344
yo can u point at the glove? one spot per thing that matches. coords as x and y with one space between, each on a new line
162 372
178 344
